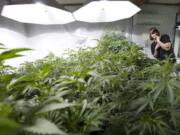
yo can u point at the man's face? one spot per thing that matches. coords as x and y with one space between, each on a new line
152 36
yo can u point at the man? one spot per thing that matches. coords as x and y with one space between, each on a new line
161 46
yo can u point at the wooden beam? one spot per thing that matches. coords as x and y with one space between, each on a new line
166 4
2 3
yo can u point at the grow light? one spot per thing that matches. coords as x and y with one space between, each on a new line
106 11
37 14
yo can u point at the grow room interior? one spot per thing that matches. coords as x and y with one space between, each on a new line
44 33
85 67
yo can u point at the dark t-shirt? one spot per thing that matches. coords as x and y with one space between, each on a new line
162 54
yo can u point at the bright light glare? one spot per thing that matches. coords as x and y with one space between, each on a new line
106 11
37 14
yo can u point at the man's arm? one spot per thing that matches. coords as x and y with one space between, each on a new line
166 46
155 53
156 50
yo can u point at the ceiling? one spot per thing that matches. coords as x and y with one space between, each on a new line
81 2
70 1
136 1
72 5
165 1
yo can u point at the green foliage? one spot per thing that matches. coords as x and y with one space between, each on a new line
8 126
43 126
111 89
13 53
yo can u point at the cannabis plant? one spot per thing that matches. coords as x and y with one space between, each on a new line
110 89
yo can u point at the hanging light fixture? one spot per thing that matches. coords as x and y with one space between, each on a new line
106 11
37 13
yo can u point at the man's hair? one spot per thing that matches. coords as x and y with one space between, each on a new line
153 30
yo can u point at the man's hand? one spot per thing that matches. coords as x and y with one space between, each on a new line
157 39
165 46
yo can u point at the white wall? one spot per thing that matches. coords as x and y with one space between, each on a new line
61 37
57 38
177 40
